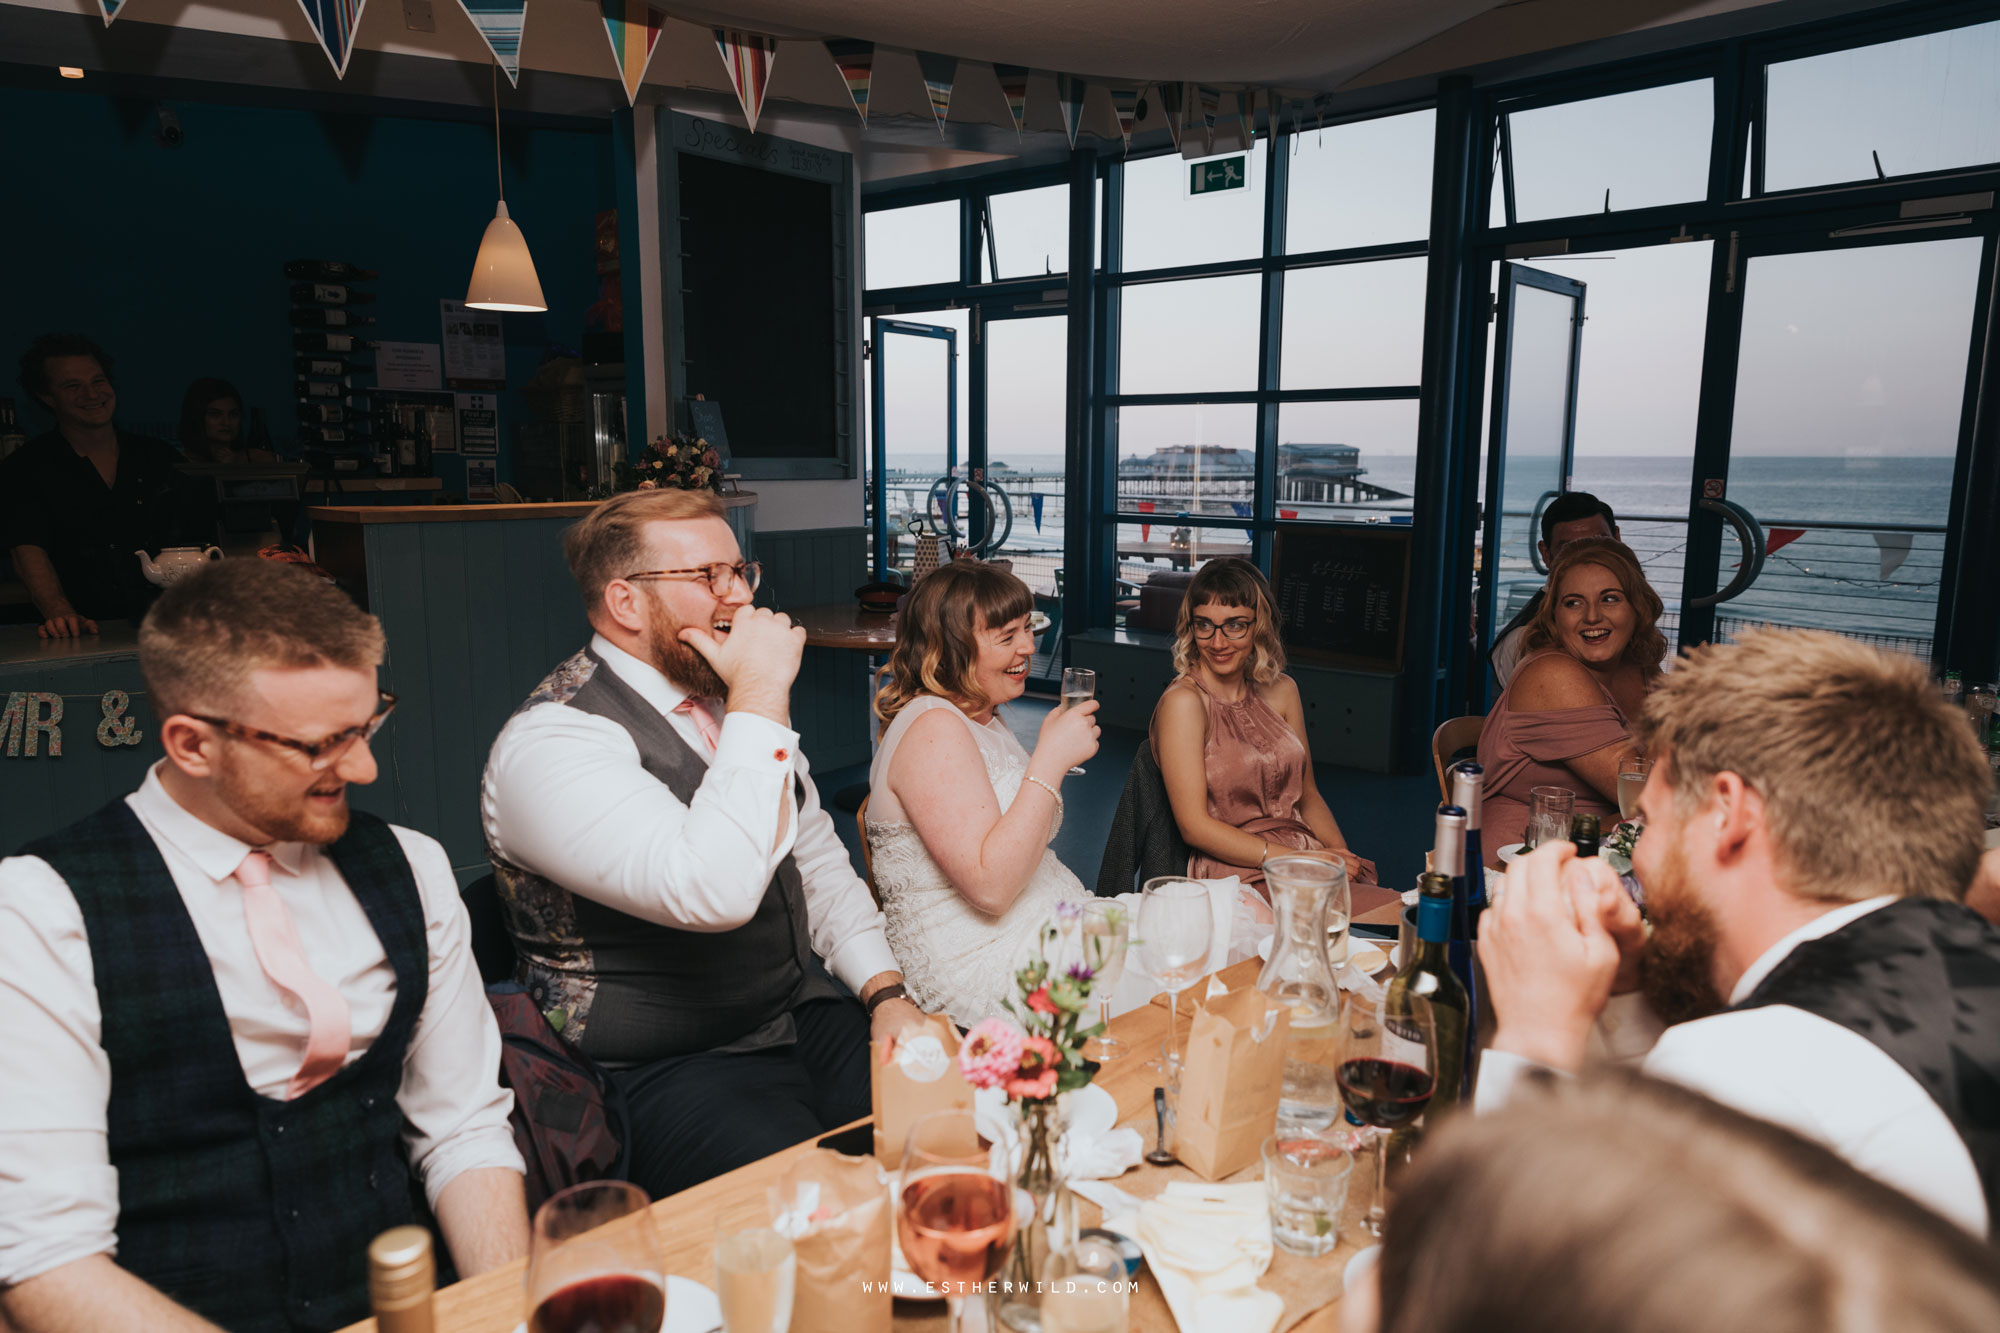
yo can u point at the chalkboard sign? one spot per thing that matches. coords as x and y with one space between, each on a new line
1343 592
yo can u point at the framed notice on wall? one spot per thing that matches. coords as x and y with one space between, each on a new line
1343 593
475 356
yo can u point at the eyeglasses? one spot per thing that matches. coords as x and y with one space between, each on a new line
1231 629
718 575
320 754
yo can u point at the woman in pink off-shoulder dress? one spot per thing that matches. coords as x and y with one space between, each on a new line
1591 654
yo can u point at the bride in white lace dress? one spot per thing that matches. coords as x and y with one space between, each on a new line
960 816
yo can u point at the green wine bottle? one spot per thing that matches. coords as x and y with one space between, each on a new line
1427 972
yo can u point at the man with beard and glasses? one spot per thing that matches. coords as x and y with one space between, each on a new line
676 894
242 1022
1813 819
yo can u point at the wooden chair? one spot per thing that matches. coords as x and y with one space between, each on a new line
867 861
1455 735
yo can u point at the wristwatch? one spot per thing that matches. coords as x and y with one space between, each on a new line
893 991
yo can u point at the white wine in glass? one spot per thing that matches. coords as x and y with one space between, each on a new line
1079 685
1107 933
1632 776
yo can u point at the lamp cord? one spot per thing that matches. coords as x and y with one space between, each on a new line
498 178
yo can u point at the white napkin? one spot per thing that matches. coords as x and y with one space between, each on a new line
1207 1246
1093 1148
1234 935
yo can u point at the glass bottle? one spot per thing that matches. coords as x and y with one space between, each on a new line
1306 892
401 1279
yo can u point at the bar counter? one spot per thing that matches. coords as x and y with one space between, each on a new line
75 731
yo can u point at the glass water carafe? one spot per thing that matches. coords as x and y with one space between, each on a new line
1310 896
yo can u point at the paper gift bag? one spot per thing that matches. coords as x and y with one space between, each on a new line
1231 1082
918 1076
836 1210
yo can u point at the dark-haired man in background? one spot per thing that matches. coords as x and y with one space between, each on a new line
1570 517
77 502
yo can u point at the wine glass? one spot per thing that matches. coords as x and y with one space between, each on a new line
1549 811
1632 774
1175 929
594 1265
955 1216
1079 685
1107 932
755 1268
1387 1072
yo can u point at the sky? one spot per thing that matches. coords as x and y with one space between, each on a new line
1858 352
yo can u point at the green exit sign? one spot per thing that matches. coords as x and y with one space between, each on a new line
1222 173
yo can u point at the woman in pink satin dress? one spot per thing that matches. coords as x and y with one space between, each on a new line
1230 736
1589 656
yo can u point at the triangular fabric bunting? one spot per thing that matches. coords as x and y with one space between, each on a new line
500 23
1069 94
1014 87
334 22
1173 101
1125 101
856 61
109 8
1035 502
1210 101
748 57
940 72
1246 115
1895 547
634 29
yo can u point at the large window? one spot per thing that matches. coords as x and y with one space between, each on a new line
1608 154
1026 234
1168 225
912 247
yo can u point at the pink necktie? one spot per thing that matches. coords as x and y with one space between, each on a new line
275 939
711 735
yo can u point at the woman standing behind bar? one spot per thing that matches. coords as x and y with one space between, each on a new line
1589 656
211 429
1230 736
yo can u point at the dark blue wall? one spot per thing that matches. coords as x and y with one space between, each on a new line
172 257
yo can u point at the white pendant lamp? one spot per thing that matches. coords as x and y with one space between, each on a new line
503 276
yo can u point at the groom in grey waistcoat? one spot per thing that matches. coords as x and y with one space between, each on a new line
679 900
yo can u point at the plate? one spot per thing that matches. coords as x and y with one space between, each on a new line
1358 1267
691 1308
1396 956
1366 957
1037 622
1509 852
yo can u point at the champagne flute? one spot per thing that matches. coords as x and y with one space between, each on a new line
755 1269
1079 685
1633 772
1388 1070
955 1216
594 1265
1107 934
1175 929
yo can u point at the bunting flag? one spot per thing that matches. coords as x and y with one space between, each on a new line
109 8
856 61
748 57
500 23
1014 87
1035 503
1246 116
1895 548
634 29
1775 538
1173 101
1145 529
939 74
1210 102
1069 95
334 22
1125 101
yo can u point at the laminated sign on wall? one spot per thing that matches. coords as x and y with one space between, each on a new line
475 357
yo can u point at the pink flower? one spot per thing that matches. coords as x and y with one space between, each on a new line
1040 1001
991 1054
648 486
711 458
1037 1070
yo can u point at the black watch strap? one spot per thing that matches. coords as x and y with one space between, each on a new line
893 991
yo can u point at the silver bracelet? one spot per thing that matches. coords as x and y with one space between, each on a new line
1047 788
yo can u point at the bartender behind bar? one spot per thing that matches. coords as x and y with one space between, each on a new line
79 502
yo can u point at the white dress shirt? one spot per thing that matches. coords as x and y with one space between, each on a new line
566 797
1810 1075
58 1186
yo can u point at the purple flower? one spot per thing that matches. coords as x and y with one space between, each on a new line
1068 911
1078 972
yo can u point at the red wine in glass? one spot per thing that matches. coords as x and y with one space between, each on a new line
608 1303
956 1227
1385 1093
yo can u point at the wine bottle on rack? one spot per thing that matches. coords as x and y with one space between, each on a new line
333 388
328 364
1467 780
328 435
327 270
329 318
329 342
329 293
402 1276
1428 972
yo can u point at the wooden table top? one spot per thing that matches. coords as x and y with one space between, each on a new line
494 1302
846 625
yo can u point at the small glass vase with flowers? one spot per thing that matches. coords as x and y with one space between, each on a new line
679 461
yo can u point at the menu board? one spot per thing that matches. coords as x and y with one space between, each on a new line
1343 592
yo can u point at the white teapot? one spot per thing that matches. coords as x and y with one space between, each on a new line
176 562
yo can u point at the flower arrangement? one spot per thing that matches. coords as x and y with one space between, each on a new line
1617 848
1042 1056
679 461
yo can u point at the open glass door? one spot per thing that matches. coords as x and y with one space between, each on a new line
1827 506
1531 441
914 392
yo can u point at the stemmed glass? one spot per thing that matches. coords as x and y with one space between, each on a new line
1387 1072
1079 685
1633 771
1107 933
955 1217
1175 929
594 1265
